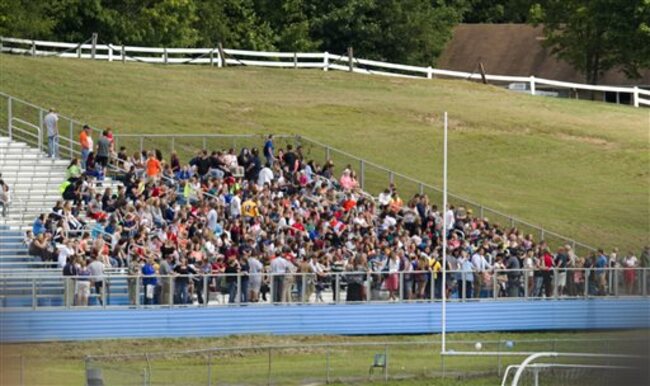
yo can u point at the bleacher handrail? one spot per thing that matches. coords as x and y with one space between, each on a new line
49 285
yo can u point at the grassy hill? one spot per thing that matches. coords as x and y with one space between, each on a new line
579 168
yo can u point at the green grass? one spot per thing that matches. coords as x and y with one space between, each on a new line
410 362
576 167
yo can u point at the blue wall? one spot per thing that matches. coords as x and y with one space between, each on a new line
22 326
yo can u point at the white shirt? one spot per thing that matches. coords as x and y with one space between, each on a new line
235 206
384 198
64 252
265 176
280 265
393 265
630 261
450 219
50 121
479 262
212 219
96 269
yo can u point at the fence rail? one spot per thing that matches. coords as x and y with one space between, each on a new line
49 289
321 60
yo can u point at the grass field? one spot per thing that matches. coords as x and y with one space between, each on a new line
410 362
576 167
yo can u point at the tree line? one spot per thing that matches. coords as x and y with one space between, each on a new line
592 35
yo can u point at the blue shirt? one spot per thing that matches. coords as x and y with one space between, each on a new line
149 275
38 227
601 264
467 269
97 231
268 148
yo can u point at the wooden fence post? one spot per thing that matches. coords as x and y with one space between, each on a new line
326 61
222 56
482 69
93 50
351 59
123 54
635 96
33 48
212 57
165 56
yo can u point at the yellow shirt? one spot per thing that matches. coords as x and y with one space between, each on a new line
249 208
435 267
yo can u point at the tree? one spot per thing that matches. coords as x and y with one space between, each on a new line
496 11
25 19
290 25
233 23
406 31
597 35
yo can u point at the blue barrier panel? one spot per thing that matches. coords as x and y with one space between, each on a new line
395 318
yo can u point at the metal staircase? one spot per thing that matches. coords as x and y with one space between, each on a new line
34 181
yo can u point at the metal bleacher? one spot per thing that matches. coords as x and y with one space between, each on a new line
34 181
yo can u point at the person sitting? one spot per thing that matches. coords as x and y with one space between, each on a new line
40 247
73 172
93 169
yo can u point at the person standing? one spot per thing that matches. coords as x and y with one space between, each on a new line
133 281
601 267
165 272
183 272
86 142
51 124
69 275
467 273
153 167
103 149
513 265
269 151
561 263
630 265
232 271
5 198
279 268
96 269
255 268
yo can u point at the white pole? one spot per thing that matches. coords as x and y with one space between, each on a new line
444 241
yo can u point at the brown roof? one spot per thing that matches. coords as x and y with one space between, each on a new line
515 49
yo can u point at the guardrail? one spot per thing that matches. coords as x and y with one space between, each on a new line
320 60
47 290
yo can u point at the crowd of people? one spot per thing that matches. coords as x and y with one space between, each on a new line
272 223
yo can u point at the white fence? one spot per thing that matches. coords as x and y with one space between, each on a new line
321 60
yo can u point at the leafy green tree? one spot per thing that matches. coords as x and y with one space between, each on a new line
290 24
409 31
25 19
597 35
233 23
496 11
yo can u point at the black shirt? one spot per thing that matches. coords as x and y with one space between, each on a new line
203 166
184 270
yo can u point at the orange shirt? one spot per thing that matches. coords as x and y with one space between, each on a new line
153 167
83 139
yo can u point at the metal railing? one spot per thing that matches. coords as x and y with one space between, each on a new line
203 289
373 177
